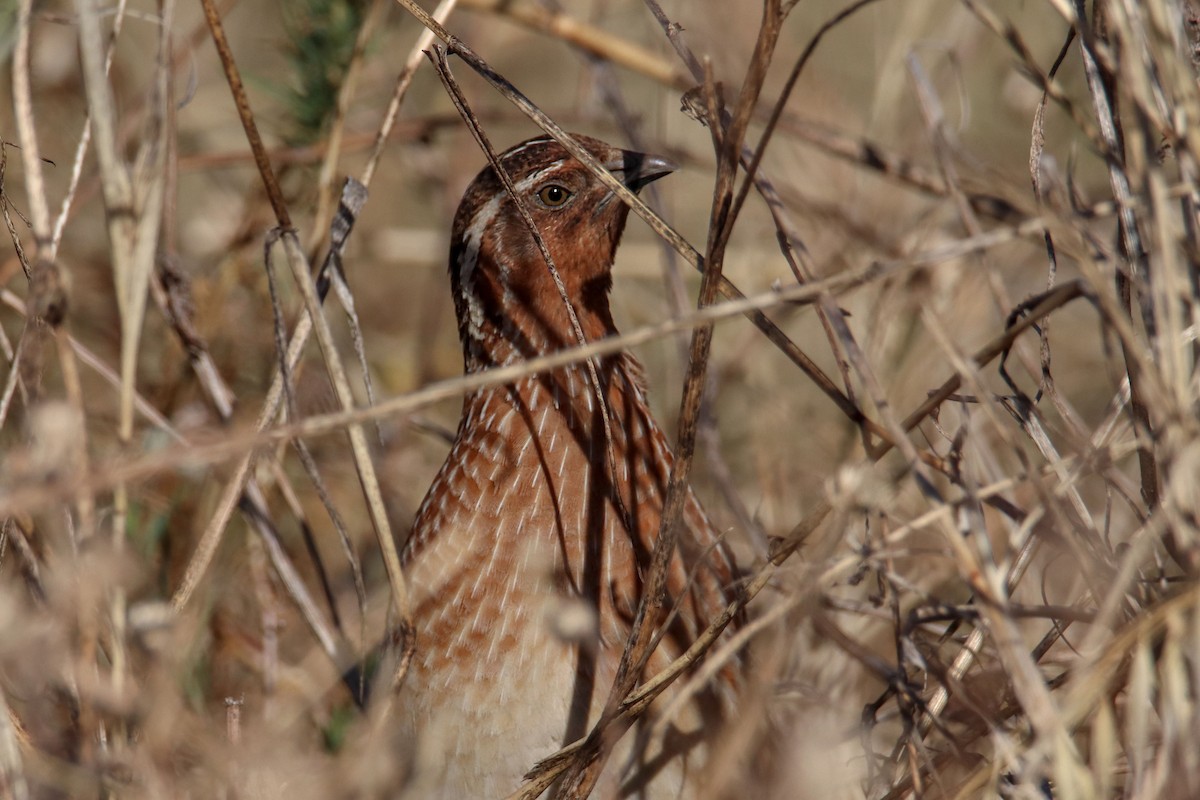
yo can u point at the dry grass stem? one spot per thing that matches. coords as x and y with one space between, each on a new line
955 448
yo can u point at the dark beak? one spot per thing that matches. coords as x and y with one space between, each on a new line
639 169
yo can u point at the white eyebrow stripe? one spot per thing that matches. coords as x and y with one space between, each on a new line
537 176
531 143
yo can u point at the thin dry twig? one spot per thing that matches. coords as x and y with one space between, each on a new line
582 776
689 253
16 497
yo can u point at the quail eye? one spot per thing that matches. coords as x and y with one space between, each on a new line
553 195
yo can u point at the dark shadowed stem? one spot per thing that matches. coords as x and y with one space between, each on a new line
1050 302
785 95
728 144
33 497
308 462
789 240
301 275
1131 237
600 44
171 291
837 329
234 77
211 537
689 253
1051 88
677 301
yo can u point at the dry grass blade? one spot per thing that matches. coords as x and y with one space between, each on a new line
213 16
39 210
12 772
978 504
689 253
588 38
212 534
403 81
134 200
582 777
302 275
244 447
85 137
338 126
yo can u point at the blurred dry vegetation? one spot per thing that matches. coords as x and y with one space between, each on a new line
975 571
